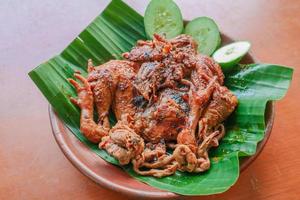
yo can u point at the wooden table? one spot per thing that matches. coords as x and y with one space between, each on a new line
31 164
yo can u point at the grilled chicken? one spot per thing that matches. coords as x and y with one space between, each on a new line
164 95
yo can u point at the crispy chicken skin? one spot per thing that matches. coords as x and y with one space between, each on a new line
164 95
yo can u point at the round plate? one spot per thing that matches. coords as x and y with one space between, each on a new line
113 177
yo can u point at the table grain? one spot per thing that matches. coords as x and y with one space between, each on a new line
31 31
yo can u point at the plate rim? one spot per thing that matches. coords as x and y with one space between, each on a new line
159 194
54 122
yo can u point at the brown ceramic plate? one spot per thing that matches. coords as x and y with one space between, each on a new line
113 177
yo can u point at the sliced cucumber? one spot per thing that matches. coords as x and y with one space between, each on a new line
163 17
231 54
206 33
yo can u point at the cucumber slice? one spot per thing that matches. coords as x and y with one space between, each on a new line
206 33
163 17
231 54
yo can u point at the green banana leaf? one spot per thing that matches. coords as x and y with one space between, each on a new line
116 31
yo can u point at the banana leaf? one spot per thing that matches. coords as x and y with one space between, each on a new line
115 31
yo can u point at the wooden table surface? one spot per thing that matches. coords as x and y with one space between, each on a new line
31 31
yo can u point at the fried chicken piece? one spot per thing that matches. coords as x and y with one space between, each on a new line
153 151
160 95
168 169
221 106
108 84
165 118
161 63
156 159
122 143
88 127
111 84
185 153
